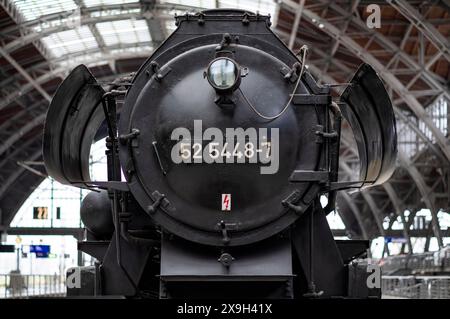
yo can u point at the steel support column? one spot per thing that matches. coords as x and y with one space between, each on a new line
424 190
399 210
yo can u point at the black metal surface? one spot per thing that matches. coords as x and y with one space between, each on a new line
319 257
115 281
351 249
309 176
87 279
369 111
46 231
357 282
183 96
72 121
189 270
96 214
95 248
182 260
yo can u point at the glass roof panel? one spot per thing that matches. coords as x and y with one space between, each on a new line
33 9
141 50
124 31
110 12
70 41
263 6
116 34
209 4
101 58
52 23
93 3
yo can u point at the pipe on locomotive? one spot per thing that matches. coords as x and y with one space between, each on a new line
331 205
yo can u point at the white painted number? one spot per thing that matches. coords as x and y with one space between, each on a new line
185 151
197 147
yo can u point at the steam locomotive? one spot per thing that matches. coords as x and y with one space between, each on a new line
224 145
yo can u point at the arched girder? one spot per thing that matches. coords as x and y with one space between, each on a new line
430 77
421 134
21 113
393 198
28 87
376 212
75 56
388 77
84 20
16 152
356 213
17 173
418 181
421 23
399 210
87 11
316 71
424 191
24 146
25 74
329 79
23 131
14 138
58 71
16 194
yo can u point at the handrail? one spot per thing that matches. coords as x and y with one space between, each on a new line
32 286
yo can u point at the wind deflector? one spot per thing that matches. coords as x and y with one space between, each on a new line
71 123
368 109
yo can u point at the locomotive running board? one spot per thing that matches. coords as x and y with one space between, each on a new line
72 121
368 109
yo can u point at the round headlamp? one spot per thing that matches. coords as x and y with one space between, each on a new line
223 74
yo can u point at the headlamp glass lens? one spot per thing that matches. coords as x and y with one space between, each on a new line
222 73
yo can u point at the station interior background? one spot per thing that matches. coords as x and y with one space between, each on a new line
41 41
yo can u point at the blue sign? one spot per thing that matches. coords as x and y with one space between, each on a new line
40 249
395 240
